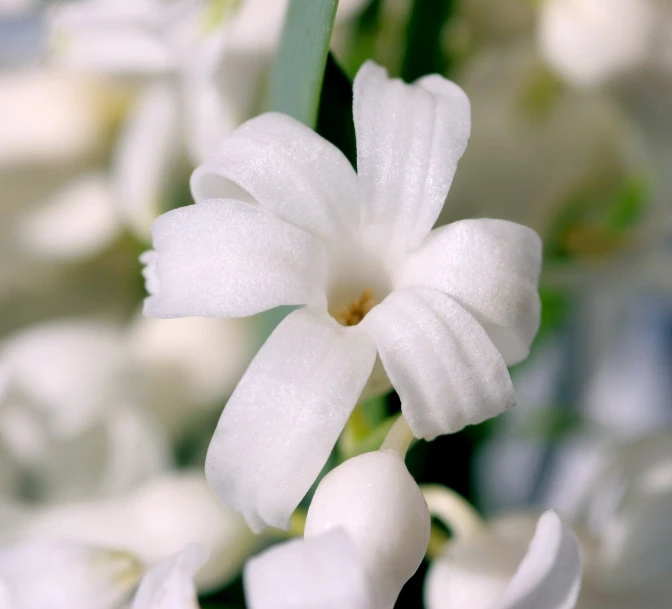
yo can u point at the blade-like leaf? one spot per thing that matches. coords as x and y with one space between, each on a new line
296 78
335 121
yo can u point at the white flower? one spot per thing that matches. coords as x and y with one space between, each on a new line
75 387
153 521
205 60
68 392
59 575
446 310
366 534
592 41
169 585
618 497
483 571
534 146
55 206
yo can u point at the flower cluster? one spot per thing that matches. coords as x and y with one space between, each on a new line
336 374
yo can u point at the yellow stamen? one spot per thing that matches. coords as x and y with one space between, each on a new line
357 310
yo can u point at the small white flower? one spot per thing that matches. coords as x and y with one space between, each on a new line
482 571
591 41
170 584
154 521
446 310
80 387
366 534
59 575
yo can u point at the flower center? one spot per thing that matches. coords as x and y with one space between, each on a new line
357 309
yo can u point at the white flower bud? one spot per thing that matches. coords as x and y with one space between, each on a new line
376 501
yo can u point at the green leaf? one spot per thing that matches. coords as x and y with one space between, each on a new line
335 121
296 77
424 53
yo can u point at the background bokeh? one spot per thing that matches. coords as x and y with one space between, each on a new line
105 416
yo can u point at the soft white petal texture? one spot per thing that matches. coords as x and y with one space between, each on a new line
104 35
77 221
409 140
323 572
282 421
148 153
491 267
289 170
69 128
157 520
170 584
495 569
590 41
224 258
59 575
376 501
476 568
188 366
549 577
440 360
68 370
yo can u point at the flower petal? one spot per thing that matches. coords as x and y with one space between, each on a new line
440 360
230 259
79 220
409 140
170 584
146 157
324 571
289 169
285 416
63 575
491 267
549 577
154 521
380 506
109 36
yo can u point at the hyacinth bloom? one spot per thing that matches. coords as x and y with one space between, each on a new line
481 573
281 218
590 42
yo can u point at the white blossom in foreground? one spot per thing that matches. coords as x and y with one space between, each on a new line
366 534
494 569
281 218
170 584
590 42
153 521
59 575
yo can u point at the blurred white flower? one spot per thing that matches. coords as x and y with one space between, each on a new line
169 585
618 497
494 568
60 575
73 125
590 42
151 522
366 534
205 61
626 509
78 220
534 146
68 393
113 393
446 310
55 205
